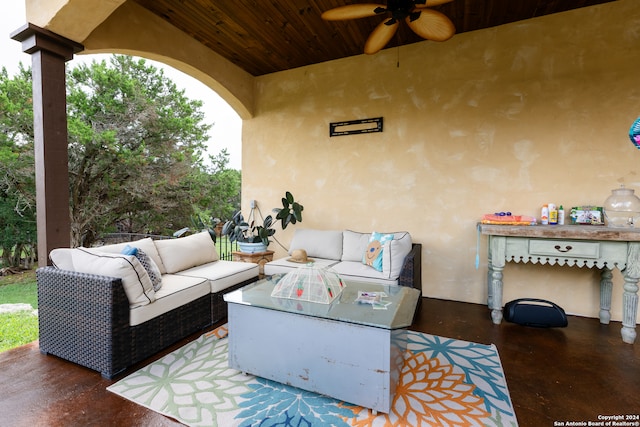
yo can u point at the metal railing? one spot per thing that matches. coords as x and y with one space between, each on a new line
226 248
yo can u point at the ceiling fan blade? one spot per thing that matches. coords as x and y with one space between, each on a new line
352 11
430 3
380 36
432 25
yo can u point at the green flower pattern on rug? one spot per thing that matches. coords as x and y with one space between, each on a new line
194 384
444 382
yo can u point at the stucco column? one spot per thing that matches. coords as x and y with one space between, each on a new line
49 52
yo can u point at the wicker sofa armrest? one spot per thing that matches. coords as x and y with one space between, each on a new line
411 273
84 318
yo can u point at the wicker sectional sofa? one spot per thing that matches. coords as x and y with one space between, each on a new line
107 310
399 259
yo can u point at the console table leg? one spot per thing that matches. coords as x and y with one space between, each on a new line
629 309
495 292
489 276
606 286
497 250
630 294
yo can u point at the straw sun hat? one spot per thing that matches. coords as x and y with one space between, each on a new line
299 256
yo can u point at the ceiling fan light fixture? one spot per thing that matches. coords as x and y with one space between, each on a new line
427 23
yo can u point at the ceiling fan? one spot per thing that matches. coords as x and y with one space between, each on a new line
427 23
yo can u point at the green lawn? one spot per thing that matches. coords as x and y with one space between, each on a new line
18 328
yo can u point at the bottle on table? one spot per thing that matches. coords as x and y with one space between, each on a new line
561 215
544 215
553 214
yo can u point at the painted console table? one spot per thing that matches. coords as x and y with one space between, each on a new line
589 246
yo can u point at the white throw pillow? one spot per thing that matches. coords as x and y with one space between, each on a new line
394 253
354 245
135 279
186 252
145 244
325 244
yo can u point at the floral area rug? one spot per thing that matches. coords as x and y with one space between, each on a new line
444 382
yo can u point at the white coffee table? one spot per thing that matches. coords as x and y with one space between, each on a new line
345 350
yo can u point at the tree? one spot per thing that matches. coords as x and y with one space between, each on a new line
220 197
135 144
17 185
135 156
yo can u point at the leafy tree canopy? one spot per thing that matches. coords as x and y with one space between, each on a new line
17 185
135 152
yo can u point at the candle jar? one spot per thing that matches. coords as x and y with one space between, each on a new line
622 208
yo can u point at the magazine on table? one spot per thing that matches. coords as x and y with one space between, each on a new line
373 298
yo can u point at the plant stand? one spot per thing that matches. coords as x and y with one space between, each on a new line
260 258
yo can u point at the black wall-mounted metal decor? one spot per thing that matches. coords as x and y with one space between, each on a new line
354 127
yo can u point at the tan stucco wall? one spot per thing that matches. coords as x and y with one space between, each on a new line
507 118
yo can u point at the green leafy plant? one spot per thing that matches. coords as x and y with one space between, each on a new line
291 211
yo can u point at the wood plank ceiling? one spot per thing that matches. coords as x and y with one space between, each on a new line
263 37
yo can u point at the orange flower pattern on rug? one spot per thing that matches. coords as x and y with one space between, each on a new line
430 393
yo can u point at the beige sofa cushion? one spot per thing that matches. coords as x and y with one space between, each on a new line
394 253
353 245
61 258
283 266
175 292
223 274
186 252
135 280
356 271
325 244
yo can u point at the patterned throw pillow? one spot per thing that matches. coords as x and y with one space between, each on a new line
373 253
149 265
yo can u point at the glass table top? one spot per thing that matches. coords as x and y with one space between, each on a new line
394 308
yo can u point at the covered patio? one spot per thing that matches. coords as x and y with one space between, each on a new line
526 104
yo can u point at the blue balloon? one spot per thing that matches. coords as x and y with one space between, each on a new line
634 133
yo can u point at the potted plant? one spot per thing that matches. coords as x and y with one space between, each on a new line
252 237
